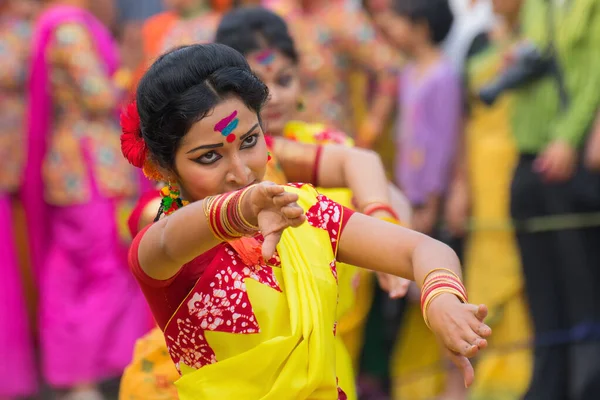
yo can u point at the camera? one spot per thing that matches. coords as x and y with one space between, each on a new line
529 65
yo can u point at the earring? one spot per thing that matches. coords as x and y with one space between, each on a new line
171 200
269 158
151 171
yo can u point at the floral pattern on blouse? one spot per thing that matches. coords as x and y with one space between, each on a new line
85 141
15 35
327 215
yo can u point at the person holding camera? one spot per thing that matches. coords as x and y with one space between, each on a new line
555 75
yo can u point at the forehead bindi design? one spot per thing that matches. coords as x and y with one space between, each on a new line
265 57
227 125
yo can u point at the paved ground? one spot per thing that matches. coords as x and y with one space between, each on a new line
110 389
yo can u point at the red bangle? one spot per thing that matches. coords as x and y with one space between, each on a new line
373 207
453 285
315 172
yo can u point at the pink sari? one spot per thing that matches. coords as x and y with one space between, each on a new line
17 369
91 311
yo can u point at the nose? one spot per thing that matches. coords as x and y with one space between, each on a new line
273 95
239 173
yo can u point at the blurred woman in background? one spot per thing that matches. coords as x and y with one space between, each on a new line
91 311
17 376
481 190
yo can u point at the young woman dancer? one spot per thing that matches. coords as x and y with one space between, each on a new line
290 159
228 283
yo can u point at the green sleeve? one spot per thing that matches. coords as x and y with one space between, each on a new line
582 78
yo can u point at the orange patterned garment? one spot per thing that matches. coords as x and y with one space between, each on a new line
85 134
14 45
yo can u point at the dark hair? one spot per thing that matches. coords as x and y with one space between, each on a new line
249 29
437 14
183 86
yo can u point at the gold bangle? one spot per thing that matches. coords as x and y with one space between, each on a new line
247 224
440 269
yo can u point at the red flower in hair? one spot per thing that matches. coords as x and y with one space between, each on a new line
133 146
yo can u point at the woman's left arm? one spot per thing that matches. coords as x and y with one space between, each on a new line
384 247
335 166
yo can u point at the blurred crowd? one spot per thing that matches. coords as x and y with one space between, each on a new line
483 112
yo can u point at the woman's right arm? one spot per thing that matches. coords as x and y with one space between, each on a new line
174 241
182 236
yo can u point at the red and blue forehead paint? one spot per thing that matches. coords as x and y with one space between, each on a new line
227 125
265 57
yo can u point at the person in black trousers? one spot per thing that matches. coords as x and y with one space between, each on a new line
553 113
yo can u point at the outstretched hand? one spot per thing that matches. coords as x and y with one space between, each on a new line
395 286
274 210
460 328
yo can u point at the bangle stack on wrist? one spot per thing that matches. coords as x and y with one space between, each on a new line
437 282
225 218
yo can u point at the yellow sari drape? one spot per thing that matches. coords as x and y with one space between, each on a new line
355 284
293 354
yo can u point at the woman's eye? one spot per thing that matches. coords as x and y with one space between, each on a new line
285 80
209 157
250 141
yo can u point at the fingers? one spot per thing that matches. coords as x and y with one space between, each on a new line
473 339
292 211
273 190
383 281
284 198
399 287
465 366
463 347
296 222
270 244
480 312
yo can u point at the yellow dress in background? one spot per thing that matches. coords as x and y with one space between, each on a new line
493 270
492 266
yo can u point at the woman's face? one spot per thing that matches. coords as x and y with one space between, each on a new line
506 7
224 151
280 74
399 29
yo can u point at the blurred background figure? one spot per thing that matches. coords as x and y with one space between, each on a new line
90 310
430 107
480 193
556 72
18 378
344 39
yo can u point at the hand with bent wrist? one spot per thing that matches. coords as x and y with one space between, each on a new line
272 209
457 324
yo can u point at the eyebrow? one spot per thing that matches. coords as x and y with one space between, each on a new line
251 130
217 145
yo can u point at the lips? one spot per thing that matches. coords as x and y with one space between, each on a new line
272 114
